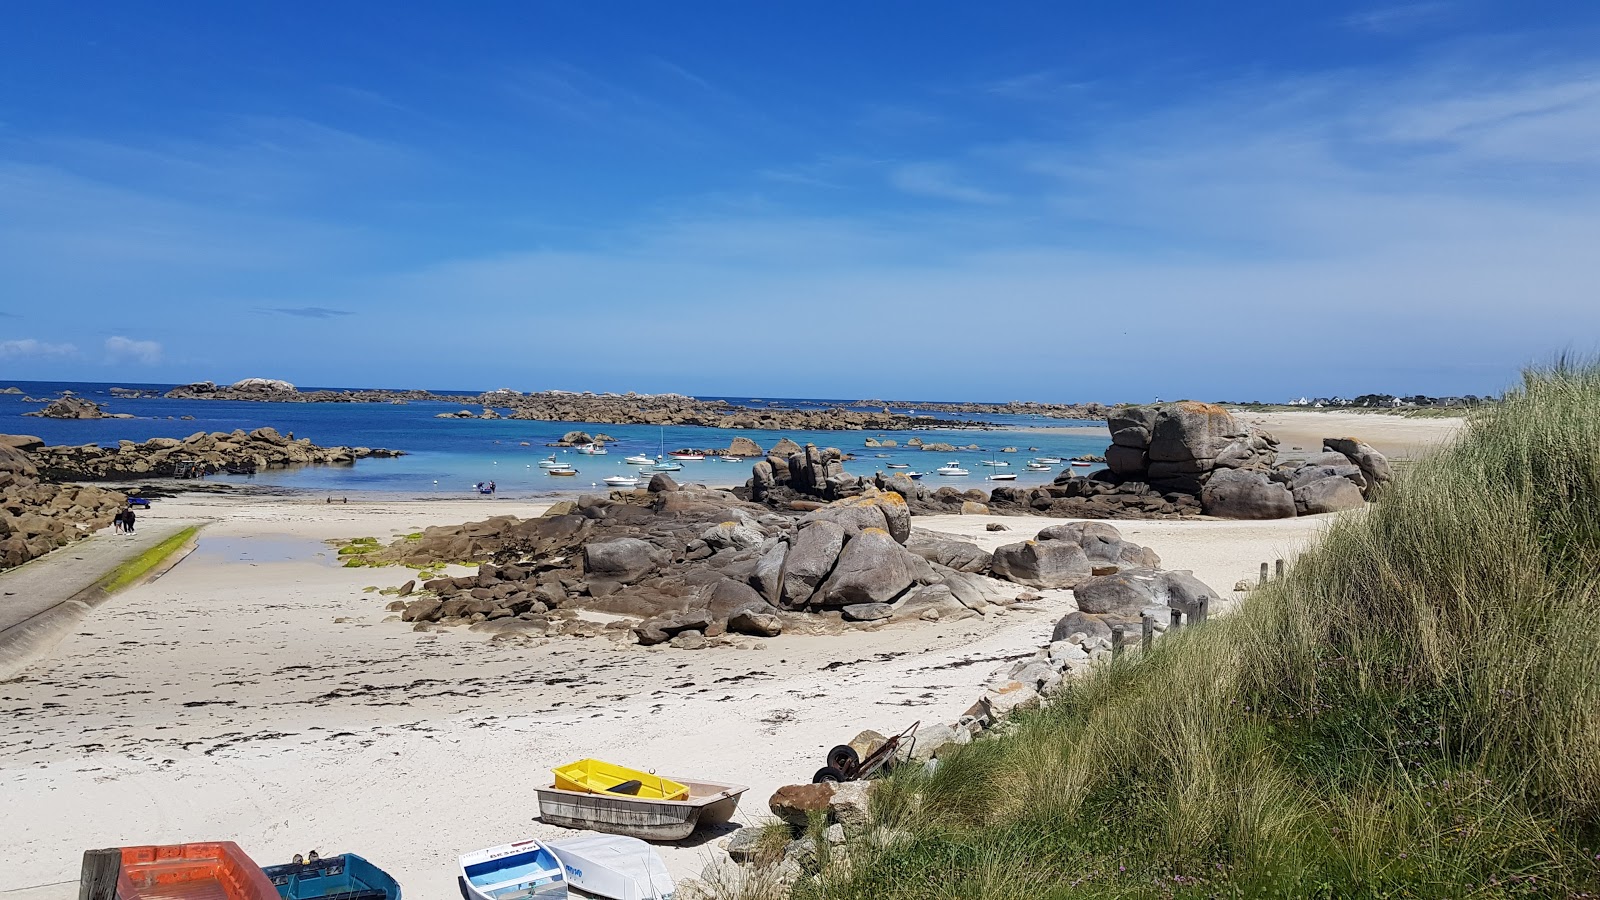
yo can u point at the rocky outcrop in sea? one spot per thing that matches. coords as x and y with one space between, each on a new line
70 407
201 453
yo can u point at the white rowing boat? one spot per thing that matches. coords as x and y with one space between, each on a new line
611 865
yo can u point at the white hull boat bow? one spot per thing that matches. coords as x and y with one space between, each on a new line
614 866
526 870
951 468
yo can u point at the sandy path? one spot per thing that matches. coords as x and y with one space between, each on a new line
1399 437
225 701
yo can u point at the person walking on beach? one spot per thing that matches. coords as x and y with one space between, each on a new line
127 521
118 519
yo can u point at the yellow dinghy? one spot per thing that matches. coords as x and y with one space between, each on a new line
593 776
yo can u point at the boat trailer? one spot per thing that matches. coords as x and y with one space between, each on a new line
845 764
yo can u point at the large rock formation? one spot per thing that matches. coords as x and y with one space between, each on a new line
37 516
70 407
218 451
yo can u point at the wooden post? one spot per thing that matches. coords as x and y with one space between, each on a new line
1118 632
98 878
1263 573
1280 569
1177 619
1147 622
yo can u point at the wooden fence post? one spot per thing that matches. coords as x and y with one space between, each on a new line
1280 570
1177 619
1263 573
1118 632
97 880
1147 622
1202 608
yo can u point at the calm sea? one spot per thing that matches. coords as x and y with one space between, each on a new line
447 456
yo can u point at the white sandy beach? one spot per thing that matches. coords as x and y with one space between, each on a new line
255 693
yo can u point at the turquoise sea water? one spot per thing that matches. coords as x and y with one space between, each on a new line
447 456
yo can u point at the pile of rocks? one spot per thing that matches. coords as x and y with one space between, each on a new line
692 564
37 516
70 407
276 390
218 451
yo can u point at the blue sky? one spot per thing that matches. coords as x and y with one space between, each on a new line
1047 200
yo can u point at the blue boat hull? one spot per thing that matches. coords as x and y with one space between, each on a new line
344 877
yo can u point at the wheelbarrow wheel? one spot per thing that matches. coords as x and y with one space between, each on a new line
829 775
844 758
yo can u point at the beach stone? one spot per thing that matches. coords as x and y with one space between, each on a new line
867 612
660 483
1066 653
1191 431
743 446
423 610
767 576
1078 622
1131 426
756 623
1240 494
1374 465
930 603
853 517
939 738
974 508
1128 461
959 555
835 833
743 846
689 640
784 448
1042 564
622 559
730 598
811 557
1327 495
794 803
739 535
1125 593
850 804
871 569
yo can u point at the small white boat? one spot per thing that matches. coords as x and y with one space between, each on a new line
688 456
526 870
639 459
550 463
666 467
899 465
1038 467
730 459
952 468
1001 476
611 865
998 464
622 481
1052 460
592 449
1082 465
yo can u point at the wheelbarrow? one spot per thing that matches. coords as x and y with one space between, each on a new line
845 764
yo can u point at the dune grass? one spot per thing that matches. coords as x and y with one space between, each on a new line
1414 711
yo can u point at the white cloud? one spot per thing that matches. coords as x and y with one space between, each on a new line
939 182
121 349
29 348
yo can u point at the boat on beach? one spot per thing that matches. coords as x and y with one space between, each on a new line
205 870
524 870
343 877
708 803
597 776
614 866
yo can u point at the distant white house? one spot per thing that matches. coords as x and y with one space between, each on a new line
1303 401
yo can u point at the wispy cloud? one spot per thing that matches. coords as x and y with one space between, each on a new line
941 182
31 348
120 349
1400 18
306 312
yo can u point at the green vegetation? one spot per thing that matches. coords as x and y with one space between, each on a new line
1414 711
141 565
